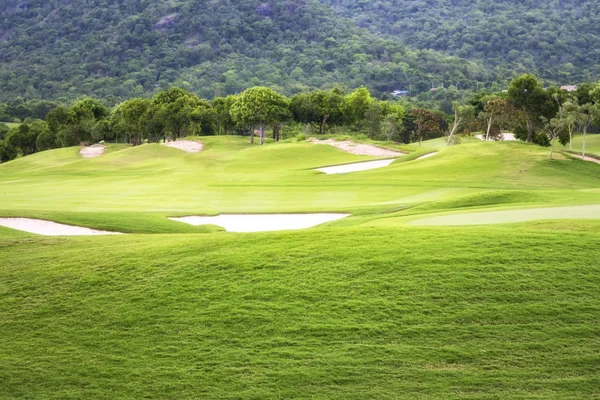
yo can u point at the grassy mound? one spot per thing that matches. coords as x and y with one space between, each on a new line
339 314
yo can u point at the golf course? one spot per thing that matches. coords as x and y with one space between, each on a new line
444 272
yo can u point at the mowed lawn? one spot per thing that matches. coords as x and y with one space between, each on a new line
362 308
592 144
344 313
233 176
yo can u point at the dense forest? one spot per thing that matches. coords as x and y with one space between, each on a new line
555 39
113 50
535 114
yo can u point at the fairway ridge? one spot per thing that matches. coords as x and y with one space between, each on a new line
49 228
262 222
189 146
510 216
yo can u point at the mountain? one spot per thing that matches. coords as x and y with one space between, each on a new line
116 49
555 39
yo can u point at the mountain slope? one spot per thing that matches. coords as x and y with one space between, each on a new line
119 49
559 40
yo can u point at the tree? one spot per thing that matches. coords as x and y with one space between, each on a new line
174 107
392 122
588 113
462 115
318 108
426 122
46 140
59 122
552 128
204 117
222 106
260 105
22 138
132 111
528 96
568 116
7 152
498 112
356 105
4 129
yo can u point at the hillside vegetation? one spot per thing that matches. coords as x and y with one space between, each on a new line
555 39
119 49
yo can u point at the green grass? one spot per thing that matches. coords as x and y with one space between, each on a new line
592 144
510 216
363 308
338 314
11 124
233 176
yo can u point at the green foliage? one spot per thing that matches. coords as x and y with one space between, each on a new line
119 50
559 40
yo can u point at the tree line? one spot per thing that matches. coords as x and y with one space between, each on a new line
533 113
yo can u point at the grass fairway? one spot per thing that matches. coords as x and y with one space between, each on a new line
592 144
339 313
361 308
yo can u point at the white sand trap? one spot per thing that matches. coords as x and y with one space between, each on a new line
262 222
189 146
95 150
586 158
358 148
505 136
509 216
49 228
426 156
354 167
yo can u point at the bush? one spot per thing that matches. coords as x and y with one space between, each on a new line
300 137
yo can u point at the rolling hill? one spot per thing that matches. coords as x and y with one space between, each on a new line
364 307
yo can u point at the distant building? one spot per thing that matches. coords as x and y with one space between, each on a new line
569 88
400 93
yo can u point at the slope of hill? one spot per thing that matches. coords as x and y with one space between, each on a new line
232 176
120 49
555 39
360 309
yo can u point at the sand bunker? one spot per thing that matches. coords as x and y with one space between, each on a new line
49 228
189 146
358 148
586 158
360 166
262 222
508 216
505 136
426 156
95 150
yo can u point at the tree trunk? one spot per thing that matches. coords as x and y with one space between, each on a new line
552 147
489 127
262 133
324 123
583 145
529 129
457 121
571 138
252 134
